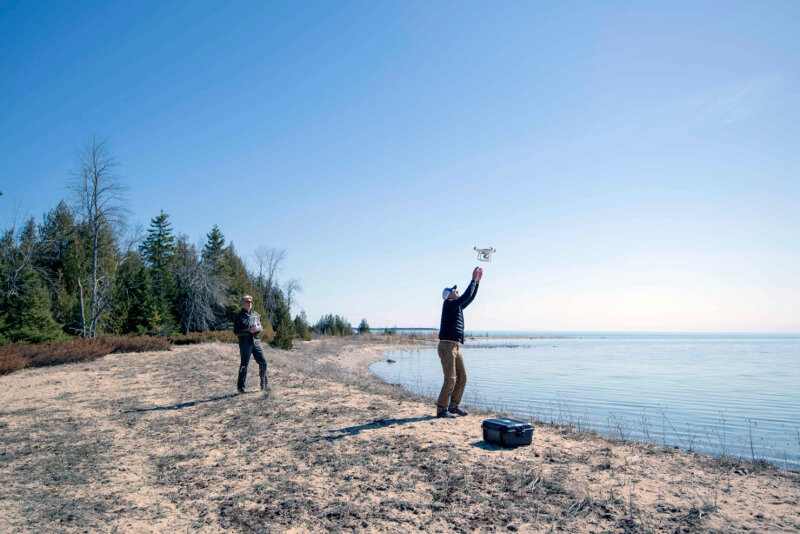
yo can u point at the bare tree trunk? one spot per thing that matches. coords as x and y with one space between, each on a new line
204 291
93 303
83 312
99 193
271 259
292 286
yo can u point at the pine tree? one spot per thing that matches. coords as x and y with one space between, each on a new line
158 251
363 327
61 259
215 245
35 322
284 328
134 297
301 327
24 301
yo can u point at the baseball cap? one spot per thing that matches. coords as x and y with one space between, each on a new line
447 290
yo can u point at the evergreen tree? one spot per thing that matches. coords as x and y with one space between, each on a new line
134 299
363 327
333 325
215 245
158 248
61 260
158 251
301 327
284 328
24 301
32 321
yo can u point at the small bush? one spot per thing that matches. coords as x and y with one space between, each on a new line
10 362
18 356
138 343
74 350
192 338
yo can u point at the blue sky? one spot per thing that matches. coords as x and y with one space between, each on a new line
634 163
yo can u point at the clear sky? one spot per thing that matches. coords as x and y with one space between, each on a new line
636 164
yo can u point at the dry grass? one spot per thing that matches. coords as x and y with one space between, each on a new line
159 443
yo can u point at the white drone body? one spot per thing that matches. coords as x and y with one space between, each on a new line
254 320
484 254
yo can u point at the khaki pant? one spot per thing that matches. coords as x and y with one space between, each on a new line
455 375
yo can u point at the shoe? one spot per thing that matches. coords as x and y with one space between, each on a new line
445 415
241 391
458 411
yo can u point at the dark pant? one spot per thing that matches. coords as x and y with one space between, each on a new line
247 347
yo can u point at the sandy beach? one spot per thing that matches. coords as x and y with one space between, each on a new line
159 442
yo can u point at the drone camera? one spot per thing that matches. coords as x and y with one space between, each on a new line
484 254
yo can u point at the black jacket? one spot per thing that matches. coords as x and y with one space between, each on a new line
241 327
452 327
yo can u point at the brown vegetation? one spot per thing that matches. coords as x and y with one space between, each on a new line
17 356
193 338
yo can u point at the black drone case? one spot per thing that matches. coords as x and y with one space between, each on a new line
507 432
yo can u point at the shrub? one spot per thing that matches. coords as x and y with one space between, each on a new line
192 338
10 362
74 350
18 356
138 343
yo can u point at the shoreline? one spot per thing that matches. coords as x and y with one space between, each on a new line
157 441
717 432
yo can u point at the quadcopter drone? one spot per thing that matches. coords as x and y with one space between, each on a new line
484 254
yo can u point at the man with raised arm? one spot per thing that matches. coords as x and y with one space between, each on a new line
451 337
246 326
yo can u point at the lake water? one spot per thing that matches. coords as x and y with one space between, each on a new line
732 394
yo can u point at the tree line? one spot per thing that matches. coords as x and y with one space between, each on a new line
79 272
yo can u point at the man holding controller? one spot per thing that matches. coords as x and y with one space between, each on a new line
246 326
451 337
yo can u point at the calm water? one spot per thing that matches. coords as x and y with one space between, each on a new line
712 393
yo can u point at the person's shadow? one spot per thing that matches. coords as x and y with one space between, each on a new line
378 423
183 405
